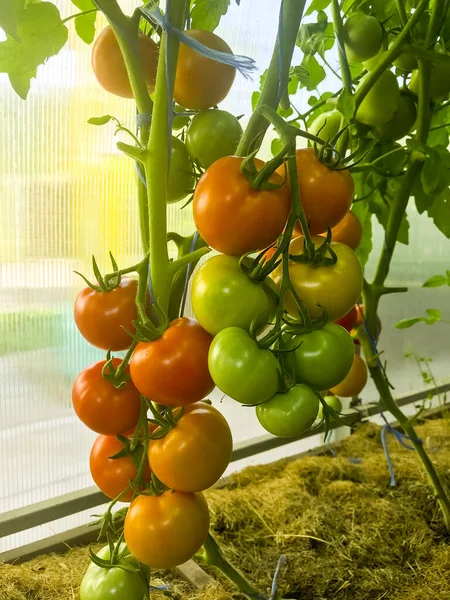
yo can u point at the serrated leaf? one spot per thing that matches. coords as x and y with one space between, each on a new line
406 323
8 18
317 5
317 37
101 120
316 72
440 212
434 314
42 35
206 14
346 104
85 24
435 281
361 210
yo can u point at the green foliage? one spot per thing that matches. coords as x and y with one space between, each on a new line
206 14
438 280
41 33
85 24
316 37
433 316
361 210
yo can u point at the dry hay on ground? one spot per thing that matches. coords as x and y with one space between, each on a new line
346 533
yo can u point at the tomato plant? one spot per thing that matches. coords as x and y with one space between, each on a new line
115 583
326 194
289 414
334 288
113 475
195 453
401 122
212 134
353 384
167 530
439 83
101 406
223 296
181 176
323 357
234 218
241 369
200 82
103 317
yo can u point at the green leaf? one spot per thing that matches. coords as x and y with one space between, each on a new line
317 37
422 200
85 24
206 14
255 98
101 120
406 323
346 104
276 146
435 174
8 18
434 314
21 83
435 281
361 210
42 35
316 73
317 5
440 212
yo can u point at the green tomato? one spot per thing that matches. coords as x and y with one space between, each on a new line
439 82
115 583
406 62
323 357
402 122
241 369
223 296
363 37
290 414
381 102
179 122
211 135
333 402
181 175
371 64
326 125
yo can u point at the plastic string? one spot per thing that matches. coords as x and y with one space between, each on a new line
188 274
402 438
280 565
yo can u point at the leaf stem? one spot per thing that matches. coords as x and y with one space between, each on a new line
339 32
80 14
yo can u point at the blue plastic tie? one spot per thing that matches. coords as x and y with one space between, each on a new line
280 565
401 438
244 64
188 274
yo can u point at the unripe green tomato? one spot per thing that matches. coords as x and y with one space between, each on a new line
381 102
181 176
326 125
439 81
402 122
406 62
333 402
363 36
179 122
212 134
372 63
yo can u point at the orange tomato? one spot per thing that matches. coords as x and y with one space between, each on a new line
355 381
348 231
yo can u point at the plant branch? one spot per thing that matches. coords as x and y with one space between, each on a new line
80 14
339 33
185 260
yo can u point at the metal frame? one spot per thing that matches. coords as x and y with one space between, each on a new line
52 509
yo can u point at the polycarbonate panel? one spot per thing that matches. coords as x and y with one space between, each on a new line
67 193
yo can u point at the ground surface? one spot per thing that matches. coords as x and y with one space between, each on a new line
346 533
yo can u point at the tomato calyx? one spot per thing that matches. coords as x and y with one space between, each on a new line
118 377
319 258
118 552
106 283
260 179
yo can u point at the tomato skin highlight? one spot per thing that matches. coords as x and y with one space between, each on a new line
223 296
324 357
335 288
326 194
101 316
101 406
114 583
241 369
200 82
112 475
355 381
348 231
195 453
109 67
290 414
232 217
173 370
165 531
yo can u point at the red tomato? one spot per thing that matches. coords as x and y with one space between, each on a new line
112 475
326 194
348 231
173 370
350 320
101 406
165 531
102 316
195 453
232 217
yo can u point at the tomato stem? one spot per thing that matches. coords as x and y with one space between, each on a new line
339 34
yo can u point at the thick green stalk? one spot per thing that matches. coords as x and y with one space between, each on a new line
339 32
156 162
275 82
213 556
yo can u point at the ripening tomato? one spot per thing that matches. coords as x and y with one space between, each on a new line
113 475
232 217
335 288
173 370
354 382
350 320
102 316
326 194
109 67
167 530
223 296
195 453
101 406
402 122
348 231
439 82
201 82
